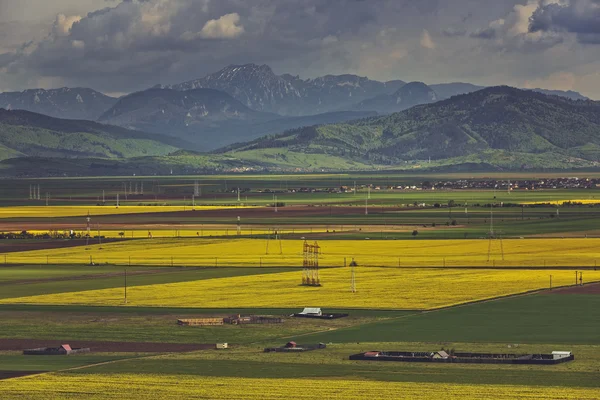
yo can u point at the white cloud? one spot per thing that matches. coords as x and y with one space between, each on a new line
426 40
63 24
225 27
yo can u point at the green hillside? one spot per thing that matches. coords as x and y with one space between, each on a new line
28 134
502 126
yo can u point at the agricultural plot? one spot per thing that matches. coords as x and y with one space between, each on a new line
540 253
78 210
405 289
17 281
190 231
140 325
135 386
377 288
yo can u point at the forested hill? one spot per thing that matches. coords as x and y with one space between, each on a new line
492 121
24 133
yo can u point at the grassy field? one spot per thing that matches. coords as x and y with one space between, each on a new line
32 273
144 327
102 277
377 288
17 362
332 363
543 318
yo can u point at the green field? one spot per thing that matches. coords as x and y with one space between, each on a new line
75 278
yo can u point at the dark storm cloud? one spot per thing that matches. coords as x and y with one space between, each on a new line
581 17
127 45
488 33
454 32
155 39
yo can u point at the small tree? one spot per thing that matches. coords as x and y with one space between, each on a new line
415 233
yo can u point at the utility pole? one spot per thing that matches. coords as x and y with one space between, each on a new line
238 193
275 203
352 278
125 285
88 230
522 211
103 200
47 198
117 200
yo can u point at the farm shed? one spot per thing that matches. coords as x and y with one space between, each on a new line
317 313
440 354
312 311
557 355
62 350
465 358
200 322
252 319
293 347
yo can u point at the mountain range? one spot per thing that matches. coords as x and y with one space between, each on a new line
285 122
259 88
239 103
410 95
67 103
525 127
206 118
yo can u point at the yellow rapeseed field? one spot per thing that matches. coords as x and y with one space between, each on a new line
165 387
172 231
561 202
261 252
377 288
75 211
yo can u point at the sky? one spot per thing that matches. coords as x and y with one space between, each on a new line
121 46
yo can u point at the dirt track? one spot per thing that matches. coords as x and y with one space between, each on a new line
593 288
112 347
16 245
16 374
282 212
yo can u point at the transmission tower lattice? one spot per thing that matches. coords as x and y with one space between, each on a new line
494 235
310 273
